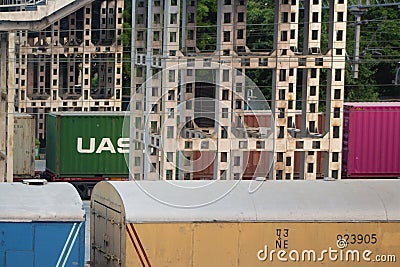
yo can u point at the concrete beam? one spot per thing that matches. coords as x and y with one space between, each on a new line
41 18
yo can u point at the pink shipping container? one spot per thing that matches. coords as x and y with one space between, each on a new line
371 140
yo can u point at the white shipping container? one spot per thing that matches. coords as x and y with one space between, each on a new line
24 145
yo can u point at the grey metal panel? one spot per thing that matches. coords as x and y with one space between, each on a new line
24 145
388 193
321 201
347 200
50 202
161 201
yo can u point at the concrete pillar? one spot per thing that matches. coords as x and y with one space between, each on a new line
311 81
10 105
335 88
284 85
3 108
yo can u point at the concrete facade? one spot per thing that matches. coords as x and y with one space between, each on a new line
57 55
316 141
191 121
75 64
168 88
192 106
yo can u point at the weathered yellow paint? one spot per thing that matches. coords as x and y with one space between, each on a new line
215 244
238 244
165 244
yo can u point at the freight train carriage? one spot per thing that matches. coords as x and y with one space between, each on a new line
41 225
371 143
84 148
231 223
371 140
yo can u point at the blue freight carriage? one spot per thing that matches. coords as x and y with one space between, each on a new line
41 225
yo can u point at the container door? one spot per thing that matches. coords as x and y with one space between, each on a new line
107 240
24 136
59 244
16 244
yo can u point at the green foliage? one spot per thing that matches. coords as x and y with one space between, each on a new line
206 12
260 25
126 42
380 41
260 37
364 88
95 81
376 71
127 11
379 52
388 39
207 22
263 79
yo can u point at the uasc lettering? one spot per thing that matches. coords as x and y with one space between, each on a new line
105 145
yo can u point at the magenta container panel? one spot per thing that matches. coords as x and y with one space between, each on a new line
371 140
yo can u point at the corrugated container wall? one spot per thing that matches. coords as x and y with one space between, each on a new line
371 140
86 145
41 225
24 146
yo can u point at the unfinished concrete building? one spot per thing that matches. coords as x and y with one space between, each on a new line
179 117
75 64
17 15
312 138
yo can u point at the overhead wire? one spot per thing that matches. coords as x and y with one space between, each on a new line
381 58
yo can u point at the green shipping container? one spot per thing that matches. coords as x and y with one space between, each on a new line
86 144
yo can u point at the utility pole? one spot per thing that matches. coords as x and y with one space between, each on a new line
357 12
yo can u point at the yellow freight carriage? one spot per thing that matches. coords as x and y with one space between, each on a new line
246 223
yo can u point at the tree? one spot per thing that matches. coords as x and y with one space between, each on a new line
379 52
126 42
260 37
207 24
260 25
